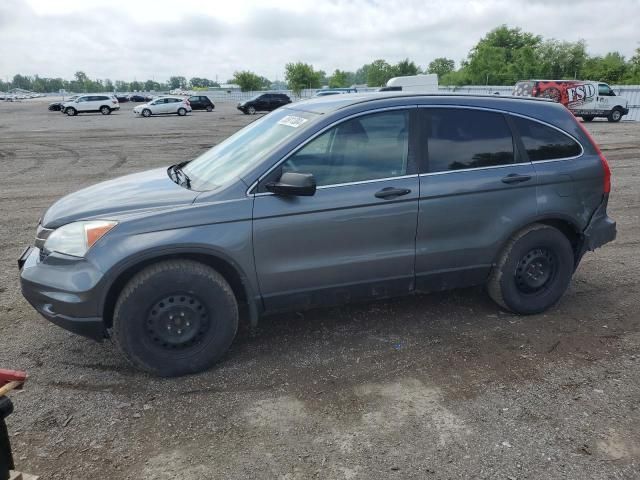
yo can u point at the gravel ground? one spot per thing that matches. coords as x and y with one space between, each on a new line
438 386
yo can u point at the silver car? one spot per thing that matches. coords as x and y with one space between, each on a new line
163 106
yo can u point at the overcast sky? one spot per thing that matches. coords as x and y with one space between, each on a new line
129 39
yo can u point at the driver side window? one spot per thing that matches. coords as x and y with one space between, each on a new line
369 147
605 91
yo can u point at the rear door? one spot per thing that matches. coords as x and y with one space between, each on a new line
475 190
356 236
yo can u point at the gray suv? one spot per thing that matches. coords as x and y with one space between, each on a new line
322 202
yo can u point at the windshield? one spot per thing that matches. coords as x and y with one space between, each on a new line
244 149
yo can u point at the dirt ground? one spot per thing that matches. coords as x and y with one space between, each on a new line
441 386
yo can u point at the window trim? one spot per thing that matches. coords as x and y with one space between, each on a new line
409 108
516 136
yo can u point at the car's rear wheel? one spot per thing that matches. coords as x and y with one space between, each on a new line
209 108
105 110
533 271
615 115
588 118
182 112
175 317
71 111
251 110
146 112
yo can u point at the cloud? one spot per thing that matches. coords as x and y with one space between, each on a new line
156 39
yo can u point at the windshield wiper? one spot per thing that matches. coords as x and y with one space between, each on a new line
178 172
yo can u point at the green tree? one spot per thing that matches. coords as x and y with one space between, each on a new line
378 73
441 66
611 68
248 81
361 74
405 67
497 57
339 79
555 59
300 76
177 82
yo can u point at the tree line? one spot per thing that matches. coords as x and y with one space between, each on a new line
502 57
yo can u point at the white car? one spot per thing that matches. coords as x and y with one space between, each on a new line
105 104
164 105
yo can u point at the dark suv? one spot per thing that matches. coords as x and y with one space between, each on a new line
265 102
201 102
336 199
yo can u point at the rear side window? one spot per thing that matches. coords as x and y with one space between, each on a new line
542 142
460 139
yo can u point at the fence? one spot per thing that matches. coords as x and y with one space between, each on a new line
629 92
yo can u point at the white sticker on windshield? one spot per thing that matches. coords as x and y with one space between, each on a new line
292 121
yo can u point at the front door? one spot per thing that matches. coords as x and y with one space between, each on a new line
356 236
474 192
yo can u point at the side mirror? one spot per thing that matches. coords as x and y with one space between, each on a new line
292 183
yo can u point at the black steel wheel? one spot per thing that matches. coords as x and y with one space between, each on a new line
178 321
175 317
533 270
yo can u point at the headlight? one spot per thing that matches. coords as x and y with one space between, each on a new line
78 237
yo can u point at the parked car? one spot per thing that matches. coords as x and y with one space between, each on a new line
327 202
585 98
264 102
333 91
201 102
57 106
122 98
104 104
136 97
164 106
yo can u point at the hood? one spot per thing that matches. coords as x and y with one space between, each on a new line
109 200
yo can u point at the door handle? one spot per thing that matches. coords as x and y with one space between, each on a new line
516 178
390 192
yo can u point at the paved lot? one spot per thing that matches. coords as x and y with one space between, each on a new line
439 386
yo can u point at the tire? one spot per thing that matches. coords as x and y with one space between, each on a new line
71 111
146 112
587 118
615 115
209 108
251 110
182 112
105 110
533 271
147 328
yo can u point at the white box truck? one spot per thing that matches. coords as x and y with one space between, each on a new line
427 83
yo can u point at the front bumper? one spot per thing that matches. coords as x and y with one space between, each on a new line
625 111
64 292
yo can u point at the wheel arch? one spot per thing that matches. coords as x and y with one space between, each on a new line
231 272
567 226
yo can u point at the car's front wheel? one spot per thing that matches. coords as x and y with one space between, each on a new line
71 111
533 271
175 317
251 110
146 112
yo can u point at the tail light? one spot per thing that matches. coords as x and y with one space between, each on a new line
187 102
534 91
603 160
